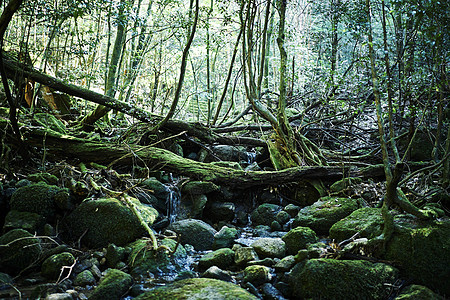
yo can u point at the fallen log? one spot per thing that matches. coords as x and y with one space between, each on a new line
193 129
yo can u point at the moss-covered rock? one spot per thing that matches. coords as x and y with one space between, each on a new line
367 221
18 250
84 278
225 237
418 292
265 214
157 188
108 220
28 221
222 258
270 247
245 254
195 232
257 274
298 238
143 259
5 281
422 253
198 288
307 192
341 279
324 213
113 286
44 177
344 183
114 255
199 187
37 198
52 267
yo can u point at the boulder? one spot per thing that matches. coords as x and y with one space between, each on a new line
113 286
265 214
31 222
217 273
225 237
44 177
199 187
143 259
192 206
270 247
342 184
221 211
36 198
367 221
198 288
158 189
194 232
342 279
108 220
421 250
222 258
52 267
84 278
299 238
22 251
245 254
324 213
418 292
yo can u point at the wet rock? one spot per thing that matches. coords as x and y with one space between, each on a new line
276 226
422 252
342 184
84 278
5 281
108 220
324 213
270 247
113 286
192 206
52 267
195 232
222 258
185 275
143 259
217 273
257 275
342 279
270 292
22 250
315 250
225 237
198 288
299 238
199 187
285 264
268 262
114 255
229 153
366 221
44 177
245 254
282 217
59 296
308 192
158 189
28 221
418 292
221 211
36 198
265 214
43 290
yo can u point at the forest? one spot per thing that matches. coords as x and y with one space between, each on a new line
224 149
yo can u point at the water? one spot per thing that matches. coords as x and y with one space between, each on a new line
173 202
251 157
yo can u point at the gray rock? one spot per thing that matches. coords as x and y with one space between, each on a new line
84 278
292 210
265 214
23 250
222 258
285 264
59 296
108 220
217 273
342 279
270 247
221 211
113 286
194 232
245 254
270 292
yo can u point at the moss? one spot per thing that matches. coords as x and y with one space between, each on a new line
199 187
418 292
367 221
143 259
198 288
340 279
298 238
31 222
344 183
52 266
422 253
222 258
324 213
44 177
113 286
18 250
265 214
257 274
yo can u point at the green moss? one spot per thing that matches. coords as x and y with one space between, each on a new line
257 274
222 258
418 292
44 177
31 222
344 183
367 221
340 279
113 286
52 266
298 238
196 289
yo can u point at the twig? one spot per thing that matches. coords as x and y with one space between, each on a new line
70 268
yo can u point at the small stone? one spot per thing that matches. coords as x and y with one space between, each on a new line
285 264
276 226
59 296
217 273
115 284
282 217
114 254
245 254
299 238
52 267
268 262
221 258
84 278
270 247
225 237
